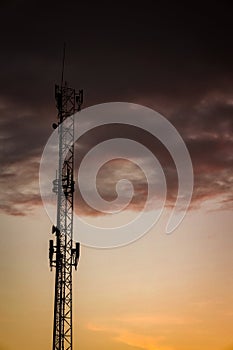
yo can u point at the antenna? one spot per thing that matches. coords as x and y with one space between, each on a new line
63 63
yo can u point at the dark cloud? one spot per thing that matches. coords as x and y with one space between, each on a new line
175 59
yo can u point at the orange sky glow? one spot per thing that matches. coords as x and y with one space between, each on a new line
161 292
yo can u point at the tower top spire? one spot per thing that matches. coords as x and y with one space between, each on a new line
63 63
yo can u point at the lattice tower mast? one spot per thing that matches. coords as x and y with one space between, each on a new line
63 256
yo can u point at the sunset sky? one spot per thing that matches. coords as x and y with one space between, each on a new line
162 292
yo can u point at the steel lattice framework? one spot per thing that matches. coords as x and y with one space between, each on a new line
66 257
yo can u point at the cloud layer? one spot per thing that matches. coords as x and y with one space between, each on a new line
176 61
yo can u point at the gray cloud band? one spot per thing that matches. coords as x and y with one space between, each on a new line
148 120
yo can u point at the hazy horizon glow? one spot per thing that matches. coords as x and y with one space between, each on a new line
161 292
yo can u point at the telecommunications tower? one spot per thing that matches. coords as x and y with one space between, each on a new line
63 256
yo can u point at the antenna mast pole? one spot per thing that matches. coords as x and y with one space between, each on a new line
63 255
